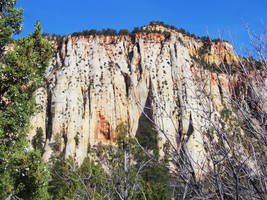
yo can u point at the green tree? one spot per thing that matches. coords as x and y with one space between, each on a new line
22 72
156 174
22 171
38 140
23 174
124 32
132 173
10 22
71 181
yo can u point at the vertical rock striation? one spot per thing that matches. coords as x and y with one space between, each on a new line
97 82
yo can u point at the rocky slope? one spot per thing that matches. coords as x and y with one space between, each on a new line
97 82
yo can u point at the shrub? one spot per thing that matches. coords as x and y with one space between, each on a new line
69 180
38 140
124 32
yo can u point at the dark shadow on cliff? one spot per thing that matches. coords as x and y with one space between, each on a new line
147 114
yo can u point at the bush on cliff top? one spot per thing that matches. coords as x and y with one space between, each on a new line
112 32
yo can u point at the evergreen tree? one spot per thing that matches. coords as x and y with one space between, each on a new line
156 174
22 171
38 140
10 22
71 181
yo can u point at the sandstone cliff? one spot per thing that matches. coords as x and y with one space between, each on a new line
97 82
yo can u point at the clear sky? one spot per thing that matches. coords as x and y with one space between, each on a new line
200 17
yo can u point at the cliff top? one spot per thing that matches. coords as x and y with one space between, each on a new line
204 50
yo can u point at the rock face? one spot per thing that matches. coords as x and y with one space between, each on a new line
96 83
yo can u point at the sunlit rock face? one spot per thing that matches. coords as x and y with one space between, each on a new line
96 83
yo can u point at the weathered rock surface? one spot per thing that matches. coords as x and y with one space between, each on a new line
97 82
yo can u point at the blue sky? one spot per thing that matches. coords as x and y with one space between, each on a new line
199 17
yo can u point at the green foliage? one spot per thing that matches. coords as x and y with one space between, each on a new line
180 30
125 175
122 137
148 138
112 32
124 32
38 140
156 174
57 144
206 46
22 171
52 37
251 63
106 32
226 113
22 72
113 172
10 22
86 32
156 191
136 30
222 68
70 181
